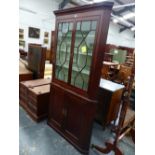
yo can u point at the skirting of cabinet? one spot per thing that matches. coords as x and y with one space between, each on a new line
67 137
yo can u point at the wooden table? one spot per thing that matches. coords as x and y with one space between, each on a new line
110 63
109 69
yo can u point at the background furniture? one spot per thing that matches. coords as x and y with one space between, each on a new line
108 55
80 37
112 145
38 100
24 73
130 57
123 75
48 55
36 60
25 85
109 69
23 54
109 99
52 46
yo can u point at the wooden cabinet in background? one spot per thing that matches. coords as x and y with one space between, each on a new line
109 98
80 36
36 60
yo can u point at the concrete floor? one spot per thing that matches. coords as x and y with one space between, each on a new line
40 139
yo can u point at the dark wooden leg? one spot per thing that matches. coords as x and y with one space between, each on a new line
110 146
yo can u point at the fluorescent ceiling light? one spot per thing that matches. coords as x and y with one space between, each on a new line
124 5
130 15
115 20
121 20
133 29
98 0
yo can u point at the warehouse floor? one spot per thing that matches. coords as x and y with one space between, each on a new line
40 139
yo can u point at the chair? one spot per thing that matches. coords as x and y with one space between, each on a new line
106 72
123 75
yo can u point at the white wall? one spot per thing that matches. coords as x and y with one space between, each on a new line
44 19
124 38
39 14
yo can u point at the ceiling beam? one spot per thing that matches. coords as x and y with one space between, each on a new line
119 2
124 28
125 9
123 5
74 3
117 14
63 4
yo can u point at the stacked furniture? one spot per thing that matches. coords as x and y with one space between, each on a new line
80 37
34 97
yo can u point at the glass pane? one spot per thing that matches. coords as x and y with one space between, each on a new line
85 26
65 27
60 25
78 25
82 58
63 51
90 40
93 26
71 26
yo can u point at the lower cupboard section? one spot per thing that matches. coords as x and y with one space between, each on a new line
72 116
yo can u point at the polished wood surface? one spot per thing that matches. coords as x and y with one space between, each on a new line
71 116
71 109
52 46
109 98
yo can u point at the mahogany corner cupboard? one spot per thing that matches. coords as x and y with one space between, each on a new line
80 38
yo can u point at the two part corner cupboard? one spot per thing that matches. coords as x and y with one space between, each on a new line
79 43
